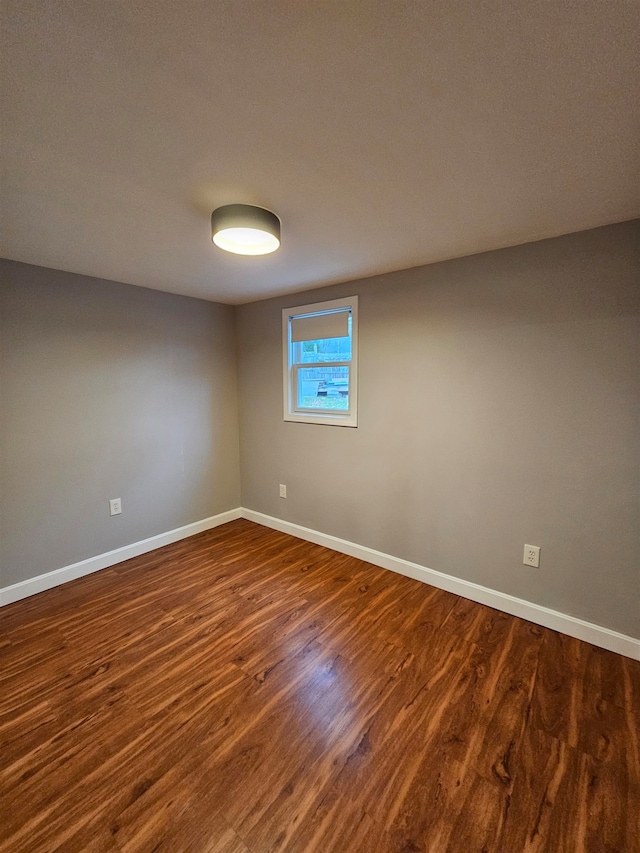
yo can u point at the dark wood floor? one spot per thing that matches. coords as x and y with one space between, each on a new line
243 691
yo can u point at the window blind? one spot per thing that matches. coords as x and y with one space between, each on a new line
317 327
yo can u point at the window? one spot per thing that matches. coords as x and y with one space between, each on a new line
320 344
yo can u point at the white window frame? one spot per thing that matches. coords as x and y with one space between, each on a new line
333 417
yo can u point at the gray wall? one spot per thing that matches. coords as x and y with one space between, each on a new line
499 399
109 390
498 405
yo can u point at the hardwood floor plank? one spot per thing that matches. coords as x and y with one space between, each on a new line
243 691
577 703
631 705
557 699
336 703
381 769
451 809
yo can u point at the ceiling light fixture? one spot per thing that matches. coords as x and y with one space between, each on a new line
245 229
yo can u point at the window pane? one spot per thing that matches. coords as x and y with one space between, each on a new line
327 349
323 387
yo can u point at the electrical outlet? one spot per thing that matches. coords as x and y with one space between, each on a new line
531 556
283 490
115 506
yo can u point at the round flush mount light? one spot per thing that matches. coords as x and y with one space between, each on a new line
245 229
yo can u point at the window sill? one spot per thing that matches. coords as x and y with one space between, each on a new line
324 419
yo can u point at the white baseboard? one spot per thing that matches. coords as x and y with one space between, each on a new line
603 637
570 625
68 573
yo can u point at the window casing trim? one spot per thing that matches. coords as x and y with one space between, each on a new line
333 417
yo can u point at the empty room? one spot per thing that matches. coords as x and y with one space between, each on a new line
319 427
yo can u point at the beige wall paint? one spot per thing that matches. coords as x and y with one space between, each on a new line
109 390
499 399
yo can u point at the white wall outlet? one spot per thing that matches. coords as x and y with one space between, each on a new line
531 556
115 506
283 490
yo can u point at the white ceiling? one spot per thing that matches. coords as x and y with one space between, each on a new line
385 134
